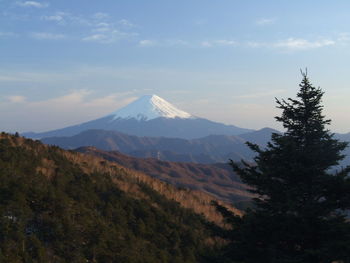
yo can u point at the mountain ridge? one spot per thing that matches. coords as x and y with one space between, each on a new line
148 116
215 179
209 149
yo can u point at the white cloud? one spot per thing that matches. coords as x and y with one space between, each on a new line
293 44
163 43
126 23
302 44
147 43
100 15
96 37
101 27
65 18
255 44
220 42
16 99
76 20
7 35
265 21
108 37
56 18
103 24
75 107
225 42
47 36
32 4
343 38
206 44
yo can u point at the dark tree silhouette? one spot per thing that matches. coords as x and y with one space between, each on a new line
299 214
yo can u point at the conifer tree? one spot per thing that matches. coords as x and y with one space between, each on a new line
299 213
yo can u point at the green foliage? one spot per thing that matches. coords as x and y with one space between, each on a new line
299 214
77 217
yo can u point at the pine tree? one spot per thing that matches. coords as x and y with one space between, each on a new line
299 213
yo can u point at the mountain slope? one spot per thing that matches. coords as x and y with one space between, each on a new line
59 206
217 179
149 116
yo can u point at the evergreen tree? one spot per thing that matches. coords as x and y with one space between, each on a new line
299 214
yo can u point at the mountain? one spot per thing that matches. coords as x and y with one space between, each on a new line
216 179
63 206
210 149
207 150
346 138
150 107
260 137
150 115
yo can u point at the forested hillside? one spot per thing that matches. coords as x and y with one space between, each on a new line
58 206
217 180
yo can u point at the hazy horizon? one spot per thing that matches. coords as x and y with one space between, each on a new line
64 63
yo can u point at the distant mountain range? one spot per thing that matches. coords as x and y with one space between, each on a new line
152 116
346 138
152 127
216 179
209 149
206 150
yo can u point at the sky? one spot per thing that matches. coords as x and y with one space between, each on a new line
66 62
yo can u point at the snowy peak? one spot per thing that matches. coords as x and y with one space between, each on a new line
150 107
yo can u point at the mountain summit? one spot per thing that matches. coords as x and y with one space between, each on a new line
149 116
150 107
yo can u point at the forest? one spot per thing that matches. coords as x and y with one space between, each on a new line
73 216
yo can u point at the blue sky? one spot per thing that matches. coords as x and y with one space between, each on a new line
65 62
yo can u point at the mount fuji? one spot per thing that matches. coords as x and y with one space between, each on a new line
150 107
149 115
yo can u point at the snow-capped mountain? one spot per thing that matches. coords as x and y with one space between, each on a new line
149 115
150 107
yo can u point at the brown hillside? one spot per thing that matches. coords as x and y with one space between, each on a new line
217 180
127 179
